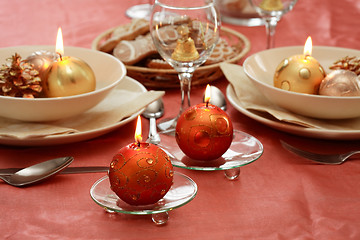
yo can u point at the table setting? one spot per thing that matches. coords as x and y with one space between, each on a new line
194 122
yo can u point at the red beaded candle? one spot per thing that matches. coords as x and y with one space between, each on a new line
140 173
204 131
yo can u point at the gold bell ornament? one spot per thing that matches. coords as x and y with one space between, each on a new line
185 50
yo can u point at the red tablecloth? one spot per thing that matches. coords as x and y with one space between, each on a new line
279 196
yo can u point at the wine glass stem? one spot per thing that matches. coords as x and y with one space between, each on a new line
185 86
270 24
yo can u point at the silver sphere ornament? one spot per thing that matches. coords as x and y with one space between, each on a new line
340 83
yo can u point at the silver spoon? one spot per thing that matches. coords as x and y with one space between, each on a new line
217 98
153 111
36 173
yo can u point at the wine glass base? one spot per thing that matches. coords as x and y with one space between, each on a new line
139 11
167 124
248 22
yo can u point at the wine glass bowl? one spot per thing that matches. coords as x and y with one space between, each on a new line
272 11
185 34
141 10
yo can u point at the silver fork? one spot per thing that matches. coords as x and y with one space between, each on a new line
319 158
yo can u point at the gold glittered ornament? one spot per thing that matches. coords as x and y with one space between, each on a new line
185 49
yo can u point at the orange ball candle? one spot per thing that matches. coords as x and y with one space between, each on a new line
140 173
204 131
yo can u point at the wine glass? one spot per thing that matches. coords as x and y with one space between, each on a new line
139 10
185 33
272 11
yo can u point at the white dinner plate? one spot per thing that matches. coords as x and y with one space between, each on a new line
127 83
289 128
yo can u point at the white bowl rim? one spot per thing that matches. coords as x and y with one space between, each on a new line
41 47
341 98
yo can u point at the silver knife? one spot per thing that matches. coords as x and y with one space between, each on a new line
68 170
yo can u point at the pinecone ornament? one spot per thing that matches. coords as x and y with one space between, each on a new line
19 79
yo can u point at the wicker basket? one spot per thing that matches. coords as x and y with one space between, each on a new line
168 78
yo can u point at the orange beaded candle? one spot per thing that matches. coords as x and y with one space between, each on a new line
140 173
204 131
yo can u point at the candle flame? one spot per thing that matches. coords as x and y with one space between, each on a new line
59 43
308 47
207 94
138 137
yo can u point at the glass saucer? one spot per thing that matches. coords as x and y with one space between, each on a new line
181 192
243 150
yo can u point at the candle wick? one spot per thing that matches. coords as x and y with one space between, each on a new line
60 56
207 103
138 143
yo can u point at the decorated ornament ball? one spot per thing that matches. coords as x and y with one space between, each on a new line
141 174
340 83
204 132
299 73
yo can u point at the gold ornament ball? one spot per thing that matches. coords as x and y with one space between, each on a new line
299 73
68 76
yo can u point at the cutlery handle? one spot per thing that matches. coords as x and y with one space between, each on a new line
68 170
154 136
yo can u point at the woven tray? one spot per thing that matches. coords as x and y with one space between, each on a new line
168 78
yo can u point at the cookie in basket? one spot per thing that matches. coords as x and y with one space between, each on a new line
222 52
158 64
133 51
124 32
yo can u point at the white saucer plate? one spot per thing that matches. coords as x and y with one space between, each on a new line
183 190
127 84
289 128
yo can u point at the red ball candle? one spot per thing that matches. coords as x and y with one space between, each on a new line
140 173
204 131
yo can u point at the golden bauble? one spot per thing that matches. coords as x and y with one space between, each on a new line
185 51
299 73
68 76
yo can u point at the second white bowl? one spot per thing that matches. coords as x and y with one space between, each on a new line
260 68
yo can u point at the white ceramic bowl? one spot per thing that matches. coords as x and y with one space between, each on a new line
108 70
260 68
